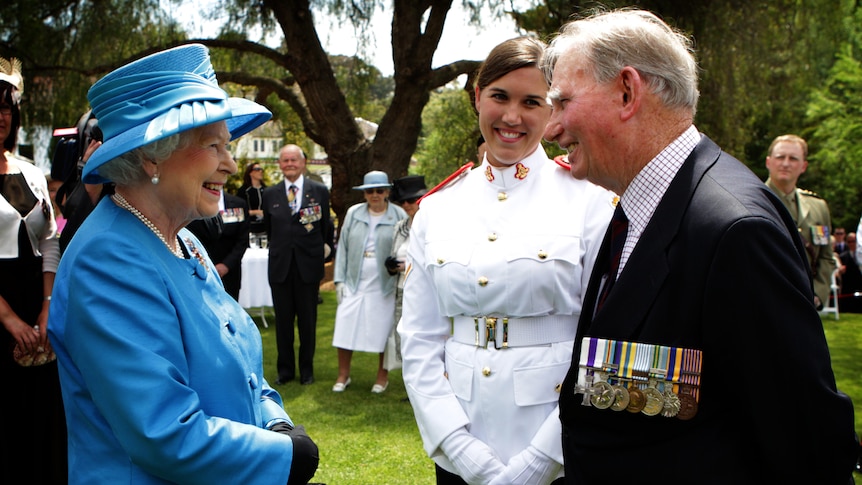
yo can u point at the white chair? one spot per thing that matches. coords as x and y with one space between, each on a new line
831 306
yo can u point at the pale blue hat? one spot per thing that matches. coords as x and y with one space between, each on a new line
374 179
161 95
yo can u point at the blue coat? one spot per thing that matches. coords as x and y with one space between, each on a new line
161 370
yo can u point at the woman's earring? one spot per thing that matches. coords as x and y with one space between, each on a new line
155 179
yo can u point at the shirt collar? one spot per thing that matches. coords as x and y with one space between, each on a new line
298 184
514 175
649 186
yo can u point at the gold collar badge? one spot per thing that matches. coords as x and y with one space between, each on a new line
489 174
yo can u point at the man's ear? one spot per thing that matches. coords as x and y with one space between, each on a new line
631 91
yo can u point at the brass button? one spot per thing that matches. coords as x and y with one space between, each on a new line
492 237
440 260
542 254
486 371
501 196
483 281
558 388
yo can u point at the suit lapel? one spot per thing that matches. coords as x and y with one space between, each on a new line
642 278
592 292
306 194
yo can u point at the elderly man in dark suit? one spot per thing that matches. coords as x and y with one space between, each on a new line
699 351
300 231
225 237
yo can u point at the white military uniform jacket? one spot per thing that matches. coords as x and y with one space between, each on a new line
517 243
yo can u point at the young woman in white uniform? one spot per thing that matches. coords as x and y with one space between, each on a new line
499 259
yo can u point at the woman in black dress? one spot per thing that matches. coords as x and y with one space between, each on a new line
32 427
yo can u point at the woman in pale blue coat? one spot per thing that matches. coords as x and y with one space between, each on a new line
364 288
161 370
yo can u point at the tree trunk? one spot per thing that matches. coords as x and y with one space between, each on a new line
334 127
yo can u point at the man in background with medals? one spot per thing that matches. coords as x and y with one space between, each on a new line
786 162
300 232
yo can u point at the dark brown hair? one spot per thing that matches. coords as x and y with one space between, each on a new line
7 96
508 56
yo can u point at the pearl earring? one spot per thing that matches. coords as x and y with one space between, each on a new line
155 179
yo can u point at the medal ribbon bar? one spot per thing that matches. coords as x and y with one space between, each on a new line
673 371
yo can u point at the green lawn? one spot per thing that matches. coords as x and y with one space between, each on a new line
366 438
845 346
363 438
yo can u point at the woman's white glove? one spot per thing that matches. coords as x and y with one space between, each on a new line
475 461
529 467
339 292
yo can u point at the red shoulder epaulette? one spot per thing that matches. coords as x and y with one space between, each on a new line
561 161
461 172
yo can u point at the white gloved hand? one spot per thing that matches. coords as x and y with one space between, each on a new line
339 292
529 467
326 250
475 461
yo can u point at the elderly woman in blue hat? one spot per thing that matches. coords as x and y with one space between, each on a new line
160 368
364 289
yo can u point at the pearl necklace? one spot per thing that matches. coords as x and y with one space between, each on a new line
122 202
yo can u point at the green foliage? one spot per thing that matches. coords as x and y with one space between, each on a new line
844 337
449 135
367 91
66 46
835 113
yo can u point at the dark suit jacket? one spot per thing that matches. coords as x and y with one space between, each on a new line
292 240
226 241
718 268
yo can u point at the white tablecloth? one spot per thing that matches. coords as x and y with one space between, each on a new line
254 291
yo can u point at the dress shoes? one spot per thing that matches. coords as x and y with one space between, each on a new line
306 380
282 381
341 386
378 389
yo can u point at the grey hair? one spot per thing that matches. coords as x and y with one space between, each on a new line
128 168
611 41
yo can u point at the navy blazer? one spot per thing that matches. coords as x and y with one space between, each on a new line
292 240
719 268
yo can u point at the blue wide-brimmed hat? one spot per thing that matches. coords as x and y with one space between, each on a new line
374 179
161 95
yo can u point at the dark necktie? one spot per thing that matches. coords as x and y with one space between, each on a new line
291 198
618 229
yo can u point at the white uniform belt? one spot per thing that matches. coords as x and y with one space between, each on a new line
368 254
505 332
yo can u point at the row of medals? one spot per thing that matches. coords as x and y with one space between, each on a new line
650 400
